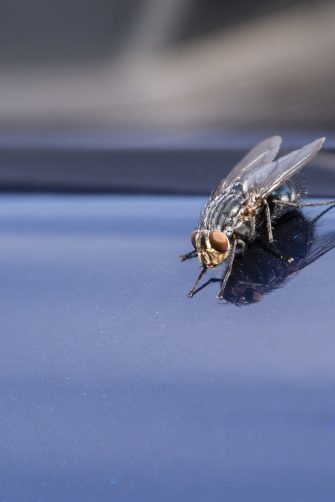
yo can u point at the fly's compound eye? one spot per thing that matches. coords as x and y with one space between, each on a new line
218 241
194 238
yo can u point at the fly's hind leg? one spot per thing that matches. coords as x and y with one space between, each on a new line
321 215
272 245
304 204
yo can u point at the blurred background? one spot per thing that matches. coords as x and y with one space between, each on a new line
114 386
85 85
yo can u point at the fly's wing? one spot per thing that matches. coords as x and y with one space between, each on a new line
320 247
262 153
266 178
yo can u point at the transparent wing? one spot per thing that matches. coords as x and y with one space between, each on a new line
320 247
262 153
266 178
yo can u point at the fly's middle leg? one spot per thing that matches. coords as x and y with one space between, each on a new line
252 229
271 242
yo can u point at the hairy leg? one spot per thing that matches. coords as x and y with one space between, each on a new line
228 270
272 244
191 293
322 213
304 204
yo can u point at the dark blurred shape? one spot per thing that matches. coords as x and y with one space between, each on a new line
49 32
213 16
192 165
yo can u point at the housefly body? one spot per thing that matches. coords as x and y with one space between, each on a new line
255 192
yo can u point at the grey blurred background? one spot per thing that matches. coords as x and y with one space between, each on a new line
167 63
160 95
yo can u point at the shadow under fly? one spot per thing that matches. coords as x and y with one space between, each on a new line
245 205
259 271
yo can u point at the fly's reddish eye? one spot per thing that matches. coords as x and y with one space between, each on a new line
194 238
218 241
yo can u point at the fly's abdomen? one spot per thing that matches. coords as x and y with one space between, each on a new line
285 193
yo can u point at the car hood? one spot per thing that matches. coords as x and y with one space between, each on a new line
117 386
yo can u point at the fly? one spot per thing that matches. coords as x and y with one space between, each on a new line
258 189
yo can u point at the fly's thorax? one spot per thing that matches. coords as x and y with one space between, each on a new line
222 210
212 246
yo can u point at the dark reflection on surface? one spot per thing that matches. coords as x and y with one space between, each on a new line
259 271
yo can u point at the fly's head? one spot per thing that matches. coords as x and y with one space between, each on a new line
212 246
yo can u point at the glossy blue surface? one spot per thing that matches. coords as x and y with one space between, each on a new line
116 386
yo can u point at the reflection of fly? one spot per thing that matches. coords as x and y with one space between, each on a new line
259 271
256 190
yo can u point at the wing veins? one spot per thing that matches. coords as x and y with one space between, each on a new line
263 153
270 176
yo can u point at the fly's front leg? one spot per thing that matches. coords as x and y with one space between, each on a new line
188 256
271 241
228 269
191 293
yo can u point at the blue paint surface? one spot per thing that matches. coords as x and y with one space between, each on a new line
116 386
